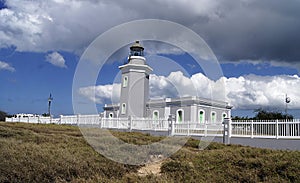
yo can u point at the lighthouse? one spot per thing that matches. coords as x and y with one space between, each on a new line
135 102
134 83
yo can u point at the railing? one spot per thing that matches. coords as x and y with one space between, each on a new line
149 124
88 119
247 128
198 129
32 119
69 120
266 129
114 123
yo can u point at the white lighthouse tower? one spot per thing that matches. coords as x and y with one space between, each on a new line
135 83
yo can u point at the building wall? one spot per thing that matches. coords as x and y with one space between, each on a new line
189 115
113 111
209 110
161 111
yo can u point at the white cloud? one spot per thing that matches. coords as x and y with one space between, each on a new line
102 93
56 59
6 66
244 92
252 91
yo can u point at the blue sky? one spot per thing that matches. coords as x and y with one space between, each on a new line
257 45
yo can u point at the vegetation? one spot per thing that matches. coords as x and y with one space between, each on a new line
262 114
3 115
59 153
45 114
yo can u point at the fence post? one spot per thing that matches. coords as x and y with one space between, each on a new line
287 126
277 132
252 129
60 119
171 125
78 118
205 129
226 131
130 122
188 128
100 120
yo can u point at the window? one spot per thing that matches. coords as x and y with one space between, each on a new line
224 115
213 117
123 109
155 115
201 116
125 81
179 115
111 115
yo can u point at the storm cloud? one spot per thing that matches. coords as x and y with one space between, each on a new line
252 30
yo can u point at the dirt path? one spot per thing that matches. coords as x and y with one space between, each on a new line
151 168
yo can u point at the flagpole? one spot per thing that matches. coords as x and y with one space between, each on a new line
287 100
49 104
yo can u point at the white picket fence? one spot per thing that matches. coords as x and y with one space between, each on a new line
266 128
247 128
198 129
114 123
35 119
97 120
149 124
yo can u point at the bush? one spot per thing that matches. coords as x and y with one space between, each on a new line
2 115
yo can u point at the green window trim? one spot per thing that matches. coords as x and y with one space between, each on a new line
155 115
224 115
180 115
123 108
213 117
201 116
125 81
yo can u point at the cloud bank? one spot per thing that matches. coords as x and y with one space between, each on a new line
244 92
235 30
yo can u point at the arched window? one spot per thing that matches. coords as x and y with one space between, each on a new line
125 81
213 117
111 115
201 116
123 108
179 115
155 115
224 115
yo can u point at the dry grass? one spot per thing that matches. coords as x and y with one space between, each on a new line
53 153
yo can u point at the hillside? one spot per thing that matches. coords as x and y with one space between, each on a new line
58 153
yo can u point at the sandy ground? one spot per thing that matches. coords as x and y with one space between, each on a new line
152 167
